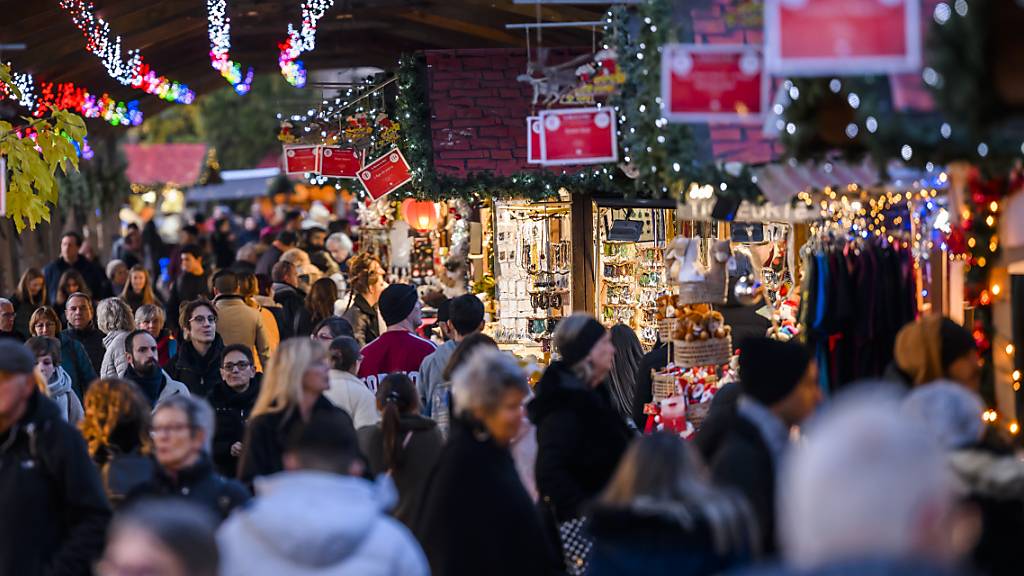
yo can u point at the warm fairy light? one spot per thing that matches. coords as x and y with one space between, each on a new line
982 262
1014 428
994 206
971 242
1010 349
990 221
1016 386
989 415
1016 375
996 289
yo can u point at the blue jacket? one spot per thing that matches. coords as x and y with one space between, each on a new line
75 362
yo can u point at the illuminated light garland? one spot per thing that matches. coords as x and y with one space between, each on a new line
132 71
84 151
66 96
301 40
220 47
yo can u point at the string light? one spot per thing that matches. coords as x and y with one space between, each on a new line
989 415
1009 349
45 96
301 40
220 47
132 71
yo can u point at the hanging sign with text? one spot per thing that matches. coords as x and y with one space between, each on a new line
299 159
339 162
578 136
713 83
385 174
822 37
533 140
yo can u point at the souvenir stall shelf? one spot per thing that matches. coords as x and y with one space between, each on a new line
533 258
632 268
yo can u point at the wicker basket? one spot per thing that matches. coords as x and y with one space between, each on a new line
696 413
701 293
665 328
663 386
713 352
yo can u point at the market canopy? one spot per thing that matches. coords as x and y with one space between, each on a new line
150 164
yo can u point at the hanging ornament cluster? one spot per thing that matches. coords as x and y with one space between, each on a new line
220 48
132 71
301 40
38 99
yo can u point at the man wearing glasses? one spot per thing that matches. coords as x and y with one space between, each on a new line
197 363
7 316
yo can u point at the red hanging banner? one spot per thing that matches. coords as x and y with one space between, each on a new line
713 83
578 136
300 159
339 162
385 174
822 37
533 140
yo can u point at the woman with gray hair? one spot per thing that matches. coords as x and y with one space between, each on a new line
115 319
476 478
580 435
991 478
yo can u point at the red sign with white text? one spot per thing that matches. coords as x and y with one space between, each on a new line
339 162
702 83
578 136
820 37
533 140
301 159
385 174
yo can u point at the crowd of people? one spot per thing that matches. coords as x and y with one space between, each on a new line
276 407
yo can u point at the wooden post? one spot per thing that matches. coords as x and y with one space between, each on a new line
583 273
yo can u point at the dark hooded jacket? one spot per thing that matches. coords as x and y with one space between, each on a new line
199 484
421 444
580 439
201 373
232 411
363 319
54 513
92 340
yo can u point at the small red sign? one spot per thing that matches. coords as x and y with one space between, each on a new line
702 83
385 174
533 140
820 37
578 136
301 159
339 162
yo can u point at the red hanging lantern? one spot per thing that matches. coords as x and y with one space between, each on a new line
421 215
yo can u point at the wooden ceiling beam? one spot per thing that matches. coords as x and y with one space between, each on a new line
456 25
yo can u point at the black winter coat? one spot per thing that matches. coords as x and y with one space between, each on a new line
744 462
232 411
200 373
475 479
363 319
199 484
265 439
53 513
580 439
293 301
92 340
654 360
421 443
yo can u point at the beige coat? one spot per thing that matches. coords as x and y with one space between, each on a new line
237 323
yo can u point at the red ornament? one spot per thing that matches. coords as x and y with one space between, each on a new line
383 220
956 242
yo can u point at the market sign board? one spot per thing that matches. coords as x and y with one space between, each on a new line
300 159
385 174
823 37
338 162
578 136
533 140
713 83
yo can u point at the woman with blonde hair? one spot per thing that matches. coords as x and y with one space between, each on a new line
73 357
660 515
138 290
116 431
30 296
292 390
115 319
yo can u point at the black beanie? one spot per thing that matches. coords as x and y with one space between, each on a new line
396 302
770 369
955 342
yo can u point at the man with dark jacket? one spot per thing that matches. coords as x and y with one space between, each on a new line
82 328
232 400
656 359
285 241
288 295
779 390
95 278
197 363
54 512
191 285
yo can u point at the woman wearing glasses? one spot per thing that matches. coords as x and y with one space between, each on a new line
197 363
73 357
232 402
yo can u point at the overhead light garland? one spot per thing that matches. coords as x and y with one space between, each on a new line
45 96
301 40
132 71
220 47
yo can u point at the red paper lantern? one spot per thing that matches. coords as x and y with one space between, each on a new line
420 214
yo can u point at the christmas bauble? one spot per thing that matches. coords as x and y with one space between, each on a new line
747 290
